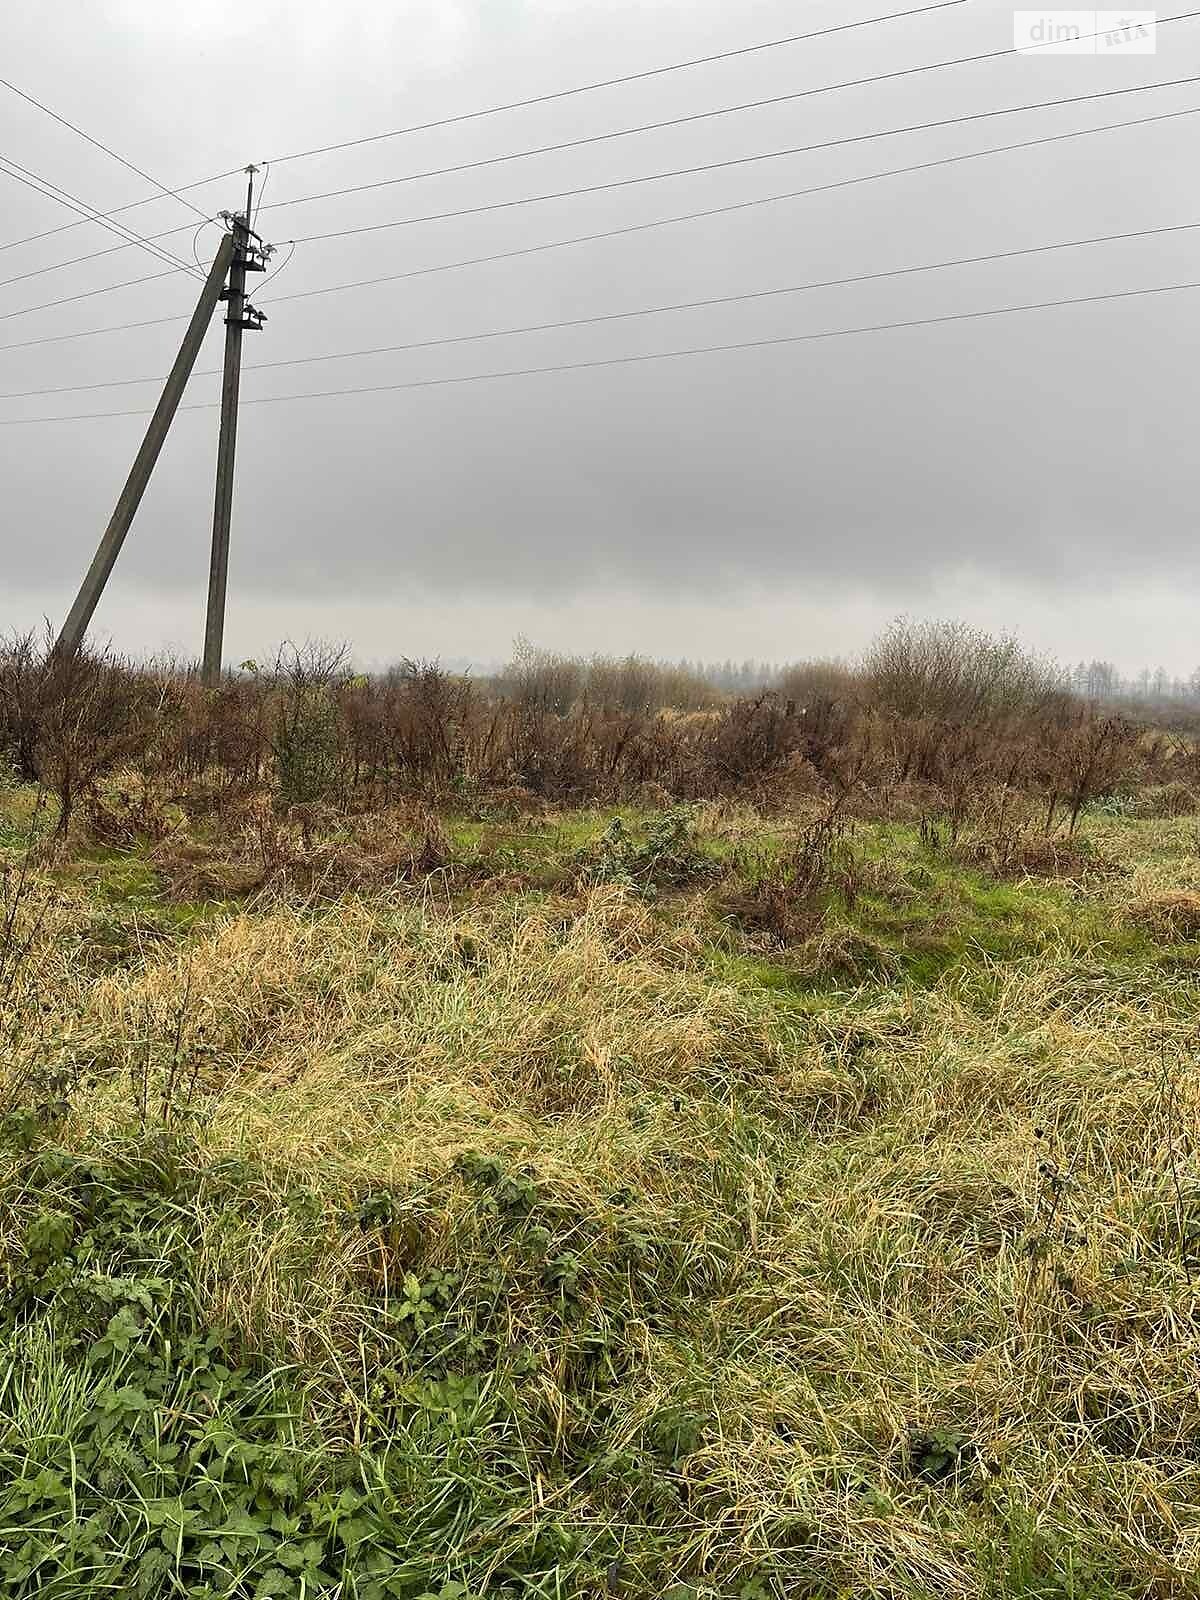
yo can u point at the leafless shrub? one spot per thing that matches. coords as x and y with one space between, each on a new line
939 718
639 687
22 670
787 900
541 681
748 742
1084 760
305 736
432 726
952 673
810 683
1004 832
94 713
1172 799
223 737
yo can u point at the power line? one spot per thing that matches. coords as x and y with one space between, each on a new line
589 238
116 211
735 206
96 144
91 333
658 355
620 183
96 255
66 300
827 144
606 83
687 172
52 191
640 311
800 94
677 66
934 66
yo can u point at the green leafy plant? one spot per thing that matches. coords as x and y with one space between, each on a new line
667 855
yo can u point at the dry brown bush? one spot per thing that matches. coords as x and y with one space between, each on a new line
128 815
1174 914
1173 799
94 713
787 900
811 682
937 716
953 673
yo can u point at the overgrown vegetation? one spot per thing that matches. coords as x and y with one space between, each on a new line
776 1177
933 716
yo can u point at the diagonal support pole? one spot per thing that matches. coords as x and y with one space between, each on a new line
79 618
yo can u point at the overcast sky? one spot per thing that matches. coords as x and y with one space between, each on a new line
1036 472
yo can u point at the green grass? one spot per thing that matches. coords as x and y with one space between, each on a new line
544 1240
956 916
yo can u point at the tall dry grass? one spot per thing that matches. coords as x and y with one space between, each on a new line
888 1292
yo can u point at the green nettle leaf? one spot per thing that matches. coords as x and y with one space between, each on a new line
353 1530
132 1400
45 1486
241 1525
275 1583
122 1332
152 1568
48 1238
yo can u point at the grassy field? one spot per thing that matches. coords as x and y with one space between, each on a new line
600 1204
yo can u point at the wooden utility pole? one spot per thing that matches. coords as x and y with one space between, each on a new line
240 316
80 615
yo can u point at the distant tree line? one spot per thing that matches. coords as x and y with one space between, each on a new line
1100 680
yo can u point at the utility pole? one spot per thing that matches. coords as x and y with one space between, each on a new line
86 601
248 256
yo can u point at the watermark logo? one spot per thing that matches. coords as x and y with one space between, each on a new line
1085 33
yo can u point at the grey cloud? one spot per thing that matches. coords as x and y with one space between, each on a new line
1049 452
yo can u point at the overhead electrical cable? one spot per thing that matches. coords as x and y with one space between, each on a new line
636 360
803 149
610 233
622 183
588 238
904 72
117 211
730 208
708 166
707 303
88 294
828 88
560 94
52 191
98 145
109 250
92 333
